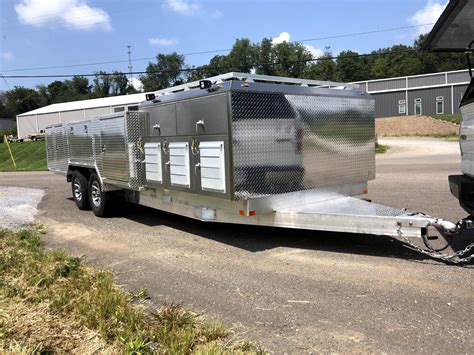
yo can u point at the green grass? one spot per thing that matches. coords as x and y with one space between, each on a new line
380 148
456 118
53 302
29 156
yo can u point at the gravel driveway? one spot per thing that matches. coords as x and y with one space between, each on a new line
292 291
18 206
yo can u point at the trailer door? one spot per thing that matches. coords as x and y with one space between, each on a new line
114 149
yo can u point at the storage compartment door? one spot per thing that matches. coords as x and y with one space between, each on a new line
212 166
179 164
115 164
153 168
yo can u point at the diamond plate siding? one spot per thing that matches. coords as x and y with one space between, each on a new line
285 143
119 153
80 142
136 125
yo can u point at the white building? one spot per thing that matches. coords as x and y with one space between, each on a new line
36 120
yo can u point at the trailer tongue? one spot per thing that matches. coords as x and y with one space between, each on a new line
244 149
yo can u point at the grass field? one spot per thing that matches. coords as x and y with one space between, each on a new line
29 156
54 303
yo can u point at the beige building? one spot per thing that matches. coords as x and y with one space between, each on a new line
36 120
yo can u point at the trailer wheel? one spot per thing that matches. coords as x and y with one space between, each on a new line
34 139
80 191
98 198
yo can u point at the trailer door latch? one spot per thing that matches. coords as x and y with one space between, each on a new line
199 123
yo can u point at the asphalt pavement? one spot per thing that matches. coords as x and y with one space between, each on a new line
291 291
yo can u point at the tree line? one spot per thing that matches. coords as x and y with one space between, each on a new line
287 59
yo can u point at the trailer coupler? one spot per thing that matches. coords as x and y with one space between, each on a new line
448 231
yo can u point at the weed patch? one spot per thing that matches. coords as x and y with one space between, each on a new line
61 304
381 148
456 118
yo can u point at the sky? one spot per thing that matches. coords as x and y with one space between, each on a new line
49 33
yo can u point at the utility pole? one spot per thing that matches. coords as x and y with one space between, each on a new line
130 81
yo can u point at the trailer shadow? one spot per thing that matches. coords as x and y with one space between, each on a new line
257 238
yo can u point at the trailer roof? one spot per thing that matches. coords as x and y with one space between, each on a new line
249 77
137 98
92 103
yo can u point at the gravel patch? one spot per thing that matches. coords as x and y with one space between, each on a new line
18 206
413 126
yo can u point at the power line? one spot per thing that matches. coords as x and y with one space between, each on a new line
6 82
219 50
364 33
206 67
107 62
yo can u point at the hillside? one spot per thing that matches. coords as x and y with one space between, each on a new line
28 156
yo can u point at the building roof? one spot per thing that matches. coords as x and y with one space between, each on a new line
85 104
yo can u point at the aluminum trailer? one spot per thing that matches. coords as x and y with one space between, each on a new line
238 148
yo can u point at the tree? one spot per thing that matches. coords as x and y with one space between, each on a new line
59 91
102 84
265 58
351 67
290 59
131 89
166 72
242 56
380 67
80 85
323 69
119 84
21 99
4 111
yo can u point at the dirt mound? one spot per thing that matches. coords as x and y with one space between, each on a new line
413 126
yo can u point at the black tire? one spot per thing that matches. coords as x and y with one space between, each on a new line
98 199
80 190
33 139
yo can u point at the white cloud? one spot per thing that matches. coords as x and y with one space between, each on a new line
429 14
7 56
285 37
183 7
136 83
282 37
157 41
75 14
315 52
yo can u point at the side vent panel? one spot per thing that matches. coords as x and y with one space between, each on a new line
153 167
179 164
212 166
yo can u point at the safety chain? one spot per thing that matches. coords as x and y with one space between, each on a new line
455 258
